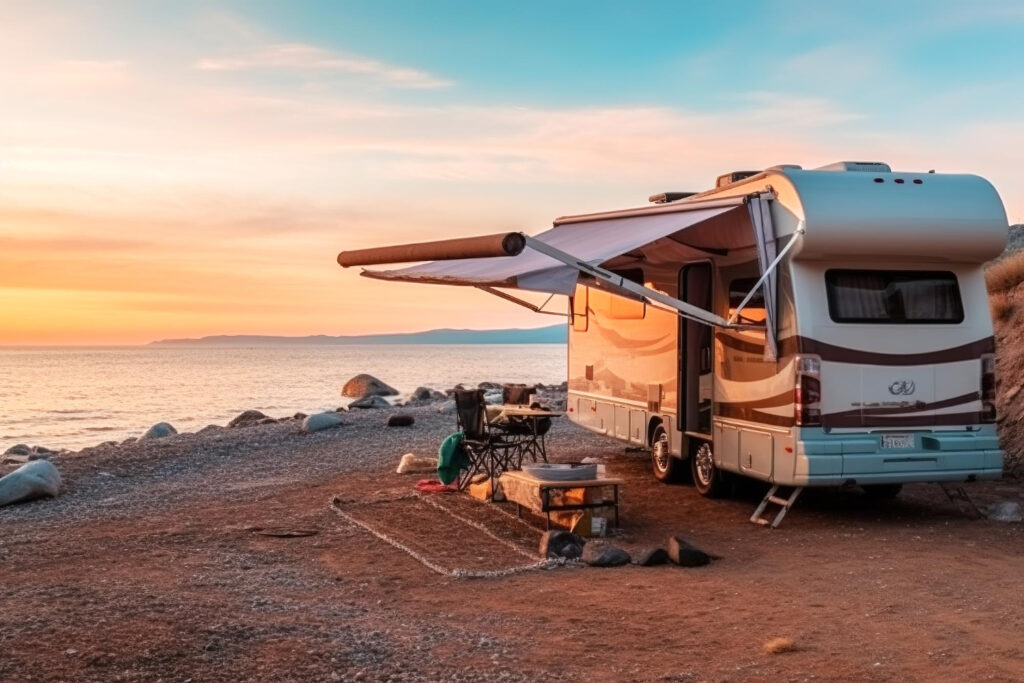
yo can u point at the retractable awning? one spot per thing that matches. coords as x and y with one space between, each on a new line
591 242
587 246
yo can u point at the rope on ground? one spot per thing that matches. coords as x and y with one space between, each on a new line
478 526
433 566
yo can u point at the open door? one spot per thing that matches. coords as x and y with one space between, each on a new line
695 349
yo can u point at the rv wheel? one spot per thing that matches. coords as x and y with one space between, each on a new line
707 479
666 468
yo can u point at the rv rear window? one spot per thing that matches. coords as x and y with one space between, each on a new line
893 296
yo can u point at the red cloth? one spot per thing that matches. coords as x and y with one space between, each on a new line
435 486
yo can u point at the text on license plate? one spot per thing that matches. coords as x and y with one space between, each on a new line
897 440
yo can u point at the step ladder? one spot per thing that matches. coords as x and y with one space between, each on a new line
771 498
959 497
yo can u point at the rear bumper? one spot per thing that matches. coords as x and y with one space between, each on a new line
831 459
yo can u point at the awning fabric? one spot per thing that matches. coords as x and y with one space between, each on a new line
592 242
764 232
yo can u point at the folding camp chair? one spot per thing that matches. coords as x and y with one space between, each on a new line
532 429
489 450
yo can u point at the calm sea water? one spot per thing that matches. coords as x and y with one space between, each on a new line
79 397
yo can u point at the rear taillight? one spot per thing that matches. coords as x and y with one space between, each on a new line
808 391
988 387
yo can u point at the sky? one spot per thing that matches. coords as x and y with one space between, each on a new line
192 168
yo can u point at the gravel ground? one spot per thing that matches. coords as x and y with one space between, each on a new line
152 566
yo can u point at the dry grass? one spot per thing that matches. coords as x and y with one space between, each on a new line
1005 274
1000 305
776 646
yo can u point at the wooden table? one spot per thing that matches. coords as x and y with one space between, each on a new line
528 491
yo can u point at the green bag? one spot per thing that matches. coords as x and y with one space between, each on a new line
451 458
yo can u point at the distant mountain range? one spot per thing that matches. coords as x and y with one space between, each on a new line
555 334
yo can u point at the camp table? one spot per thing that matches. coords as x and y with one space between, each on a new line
512 412
528 491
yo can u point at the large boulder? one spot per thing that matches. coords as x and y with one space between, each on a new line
35 479
370 402
321 421
426 395
18 449
650 557
366 385
600 555
158 431
559 543
686 555
247 419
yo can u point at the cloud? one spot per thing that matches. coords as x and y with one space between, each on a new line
303 58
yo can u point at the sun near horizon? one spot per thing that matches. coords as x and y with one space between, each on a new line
193 169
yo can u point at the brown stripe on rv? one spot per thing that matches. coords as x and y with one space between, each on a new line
842 354
485 246
862 415
876 422
739 411
737 344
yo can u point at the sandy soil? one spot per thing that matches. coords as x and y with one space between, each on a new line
151 567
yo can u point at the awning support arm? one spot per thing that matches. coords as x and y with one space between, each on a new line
619 282
522 302
767 271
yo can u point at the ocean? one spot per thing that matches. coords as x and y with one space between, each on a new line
77 397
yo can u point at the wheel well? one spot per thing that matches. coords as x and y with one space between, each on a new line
651 426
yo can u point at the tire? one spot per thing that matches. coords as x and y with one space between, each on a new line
882 491
666 467
707 479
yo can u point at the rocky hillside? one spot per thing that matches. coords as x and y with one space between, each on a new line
1005 277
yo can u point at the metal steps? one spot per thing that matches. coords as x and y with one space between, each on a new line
771 498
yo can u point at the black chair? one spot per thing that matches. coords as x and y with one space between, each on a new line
489 450
531 429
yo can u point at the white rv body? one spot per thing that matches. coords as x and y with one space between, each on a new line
863 352
899 402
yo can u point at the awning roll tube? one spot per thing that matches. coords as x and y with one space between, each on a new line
485 246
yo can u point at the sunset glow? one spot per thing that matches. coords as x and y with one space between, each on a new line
184 169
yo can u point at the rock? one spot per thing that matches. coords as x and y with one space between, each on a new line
158 431
320 421
302 416
18 449
43 450
401 421
600 555
686 555
367 385
1009 396
1006 511
416 464
32 480
368 402
494 398
426 395
651 557
129 440
561 543
267 421
489 386
210 428
246 419
447 408
17 459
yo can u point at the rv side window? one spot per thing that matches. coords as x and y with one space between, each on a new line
753 312
579 308
893 296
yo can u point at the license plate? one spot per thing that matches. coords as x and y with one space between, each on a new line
897 440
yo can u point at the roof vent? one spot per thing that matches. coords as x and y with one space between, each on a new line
666 197
872 166
785 167
732 177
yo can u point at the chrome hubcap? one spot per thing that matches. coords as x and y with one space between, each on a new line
704 464
660 453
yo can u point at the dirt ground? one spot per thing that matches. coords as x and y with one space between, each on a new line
168 579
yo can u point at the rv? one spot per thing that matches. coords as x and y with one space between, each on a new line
800 327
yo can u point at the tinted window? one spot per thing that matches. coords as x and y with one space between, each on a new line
754 310
893 296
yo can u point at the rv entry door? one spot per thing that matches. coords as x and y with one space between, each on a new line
695 348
